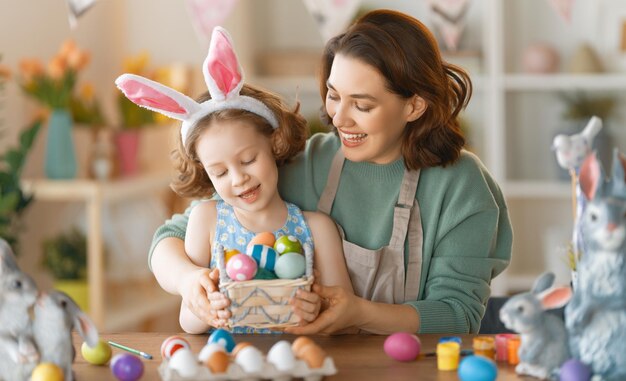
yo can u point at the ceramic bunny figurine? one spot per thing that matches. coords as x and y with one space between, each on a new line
596 316
18 292
544 346
55 316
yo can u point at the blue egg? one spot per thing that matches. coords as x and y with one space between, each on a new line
477 368
264 256
223 338
290 266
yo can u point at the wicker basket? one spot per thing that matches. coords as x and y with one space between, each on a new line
261 303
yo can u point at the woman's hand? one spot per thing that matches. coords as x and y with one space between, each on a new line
341 312
202 297
306 305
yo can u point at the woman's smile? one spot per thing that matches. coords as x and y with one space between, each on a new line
352 140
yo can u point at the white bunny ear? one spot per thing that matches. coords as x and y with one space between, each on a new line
156 97
222 72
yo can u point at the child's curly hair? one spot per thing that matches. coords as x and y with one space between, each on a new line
287 140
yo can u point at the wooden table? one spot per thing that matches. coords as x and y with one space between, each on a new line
357 357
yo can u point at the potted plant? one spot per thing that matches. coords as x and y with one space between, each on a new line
65 256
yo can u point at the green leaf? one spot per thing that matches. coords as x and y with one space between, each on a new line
9 202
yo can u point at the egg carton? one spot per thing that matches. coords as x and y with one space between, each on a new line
236 373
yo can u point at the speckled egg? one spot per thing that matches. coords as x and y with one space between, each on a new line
265 256
575 370
47 371
250 359
222 337
218 362
288 244
290 266
282 356
241 267
184 362
402 346
127 367
477 368
265 238
171 345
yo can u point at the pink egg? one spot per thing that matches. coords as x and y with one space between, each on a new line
171 345
241 267
402 346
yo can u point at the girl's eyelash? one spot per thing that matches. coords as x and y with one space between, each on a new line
218 175
249 161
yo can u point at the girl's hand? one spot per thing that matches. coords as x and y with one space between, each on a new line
306 305
341 313
202 297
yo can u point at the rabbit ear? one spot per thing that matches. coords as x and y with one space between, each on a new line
222 72
7 258
543 283
86 328
555 297
590 176
156 97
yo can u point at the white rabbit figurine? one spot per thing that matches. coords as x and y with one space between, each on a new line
55 316
596 316
544 345
18 292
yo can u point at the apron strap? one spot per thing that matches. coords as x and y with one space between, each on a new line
325 204
402 210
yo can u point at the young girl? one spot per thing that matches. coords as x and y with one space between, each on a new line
231 143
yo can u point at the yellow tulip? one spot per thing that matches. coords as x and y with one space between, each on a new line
136 64
87 91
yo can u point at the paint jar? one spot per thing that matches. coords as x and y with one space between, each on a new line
485 346
455 339
512 346
448 354
502 353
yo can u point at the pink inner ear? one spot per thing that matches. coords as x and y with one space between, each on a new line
556 298
144 95
589 176
222 64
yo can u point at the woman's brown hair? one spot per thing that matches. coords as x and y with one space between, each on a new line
405 52
287 140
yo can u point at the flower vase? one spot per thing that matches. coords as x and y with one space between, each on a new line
60 154
127 145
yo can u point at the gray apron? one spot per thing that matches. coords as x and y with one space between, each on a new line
379 275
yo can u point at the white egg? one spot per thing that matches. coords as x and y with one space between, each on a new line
185 362
208 350
250 359
282 356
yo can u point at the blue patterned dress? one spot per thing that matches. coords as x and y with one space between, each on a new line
232 235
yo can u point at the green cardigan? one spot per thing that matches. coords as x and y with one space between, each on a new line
467 232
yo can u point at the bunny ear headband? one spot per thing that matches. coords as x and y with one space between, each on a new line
224 78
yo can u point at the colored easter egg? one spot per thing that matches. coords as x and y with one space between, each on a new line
402 346
98 355
126 367
575 370
241 267
228 254
47 371
171 345
290 266
265 256
288 244
265 238
477 368
224 338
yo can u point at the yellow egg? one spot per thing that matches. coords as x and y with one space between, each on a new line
228 254
47 371
265 238
218 362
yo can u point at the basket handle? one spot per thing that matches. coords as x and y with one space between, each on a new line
308 255
219 257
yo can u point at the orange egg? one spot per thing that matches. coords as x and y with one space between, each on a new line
218 362
265 238
239 347
313 355
300 343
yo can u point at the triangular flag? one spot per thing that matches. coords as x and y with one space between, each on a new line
77 8
563 8
207 14
449 20
332 16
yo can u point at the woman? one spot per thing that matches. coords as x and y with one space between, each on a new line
426 227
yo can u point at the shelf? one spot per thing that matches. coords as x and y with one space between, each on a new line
537 189
552 82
